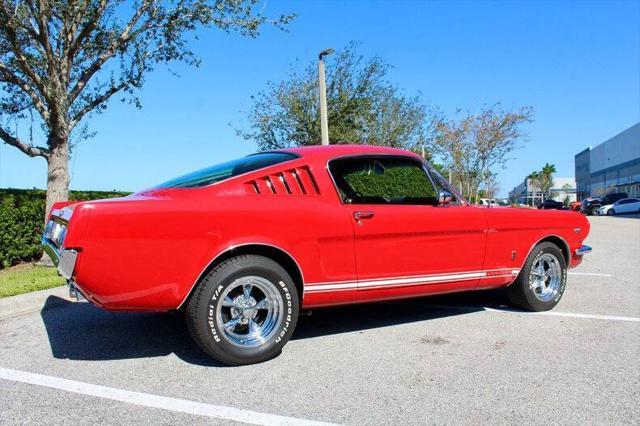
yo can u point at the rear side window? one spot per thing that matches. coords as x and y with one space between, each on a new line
383 181
228 170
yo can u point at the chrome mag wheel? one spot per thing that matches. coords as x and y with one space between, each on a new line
545 278
250 312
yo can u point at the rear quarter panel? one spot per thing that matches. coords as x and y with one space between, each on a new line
146 254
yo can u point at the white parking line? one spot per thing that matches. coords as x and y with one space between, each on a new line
567 314
546 313
153 401
592 274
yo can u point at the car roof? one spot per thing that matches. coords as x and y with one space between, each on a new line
320 152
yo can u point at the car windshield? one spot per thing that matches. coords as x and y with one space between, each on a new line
228 170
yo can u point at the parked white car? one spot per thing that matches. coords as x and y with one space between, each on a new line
488 203
626 205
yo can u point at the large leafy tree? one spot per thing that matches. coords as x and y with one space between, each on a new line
64 59
364 107
476 145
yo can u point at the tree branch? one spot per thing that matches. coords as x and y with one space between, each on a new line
23 64
86 30
6 76
124 37
42 36
31 151
96 102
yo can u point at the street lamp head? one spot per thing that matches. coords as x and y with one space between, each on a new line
325 52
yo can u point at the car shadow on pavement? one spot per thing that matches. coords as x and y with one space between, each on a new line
366 316
81 331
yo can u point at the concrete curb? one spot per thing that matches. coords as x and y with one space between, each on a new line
31 302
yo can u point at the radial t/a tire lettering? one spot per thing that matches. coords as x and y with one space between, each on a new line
244 310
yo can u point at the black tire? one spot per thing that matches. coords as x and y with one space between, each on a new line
611 212
521 292
205 310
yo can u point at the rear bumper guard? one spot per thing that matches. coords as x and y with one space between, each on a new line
74 292
64 259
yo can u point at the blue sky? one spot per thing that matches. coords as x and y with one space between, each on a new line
576 63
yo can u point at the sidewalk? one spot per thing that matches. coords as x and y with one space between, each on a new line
31 302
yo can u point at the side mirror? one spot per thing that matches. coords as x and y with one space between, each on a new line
445 197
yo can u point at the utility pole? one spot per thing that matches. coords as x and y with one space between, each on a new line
324 121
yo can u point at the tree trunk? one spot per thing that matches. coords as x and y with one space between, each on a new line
57 172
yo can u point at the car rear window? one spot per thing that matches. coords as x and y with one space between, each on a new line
228 170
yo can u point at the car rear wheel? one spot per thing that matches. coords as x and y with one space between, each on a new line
243 311
611 212
542 280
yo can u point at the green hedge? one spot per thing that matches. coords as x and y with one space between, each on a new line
22 221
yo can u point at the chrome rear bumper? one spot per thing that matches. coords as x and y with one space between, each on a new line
583 250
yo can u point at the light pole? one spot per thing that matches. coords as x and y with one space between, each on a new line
324 121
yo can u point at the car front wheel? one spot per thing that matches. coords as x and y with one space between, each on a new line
542 280
243 311
611 212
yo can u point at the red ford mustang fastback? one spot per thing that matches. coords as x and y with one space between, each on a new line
241 247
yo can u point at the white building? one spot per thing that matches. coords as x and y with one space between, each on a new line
525 193
612 166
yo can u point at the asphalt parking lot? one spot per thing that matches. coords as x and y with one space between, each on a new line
451 359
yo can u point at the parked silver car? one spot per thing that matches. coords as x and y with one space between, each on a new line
626 205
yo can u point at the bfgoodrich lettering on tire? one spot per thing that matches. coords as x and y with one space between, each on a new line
542 280
243 311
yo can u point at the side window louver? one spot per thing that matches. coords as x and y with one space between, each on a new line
298 181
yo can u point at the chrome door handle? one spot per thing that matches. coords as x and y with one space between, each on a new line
363 215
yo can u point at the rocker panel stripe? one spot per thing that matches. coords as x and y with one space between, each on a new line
409 281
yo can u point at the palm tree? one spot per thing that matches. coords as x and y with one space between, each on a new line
534 178
546 179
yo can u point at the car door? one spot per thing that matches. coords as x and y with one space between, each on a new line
405 240
626 206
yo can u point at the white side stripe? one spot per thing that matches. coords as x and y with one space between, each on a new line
410 281
425 279
153 401
327 287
